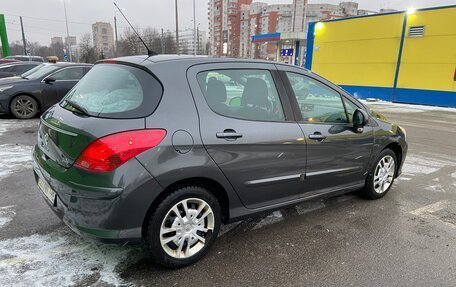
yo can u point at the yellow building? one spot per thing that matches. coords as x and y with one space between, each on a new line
407 56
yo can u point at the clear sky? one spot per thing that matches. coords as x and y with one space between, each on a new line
142 13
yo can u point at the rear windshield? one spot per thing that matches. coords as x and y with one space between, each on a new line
117 91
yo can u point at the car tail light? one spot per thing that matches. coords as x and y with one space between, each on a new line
110 152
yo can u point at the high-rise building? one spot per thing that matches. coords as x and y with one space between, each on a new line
70 41
187 43
103 38
233 23
224 19
57 41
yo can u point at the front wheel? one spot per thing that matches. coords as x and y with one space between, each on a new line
183 227
24 107
381 176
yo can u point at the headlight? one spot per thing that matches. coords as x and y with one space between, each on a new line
404 132
4 88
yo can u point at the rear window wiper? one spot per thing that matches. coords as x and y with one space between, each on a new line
78 107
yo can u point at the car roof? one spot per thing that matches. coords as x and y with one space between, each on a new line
68 64
188 59
20 63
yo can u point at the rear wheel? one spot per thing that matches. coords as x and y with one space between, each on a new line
24 107
381 177
183 227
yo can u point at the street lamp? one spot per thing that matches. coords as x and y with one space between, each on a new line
115 28
194 28
68 33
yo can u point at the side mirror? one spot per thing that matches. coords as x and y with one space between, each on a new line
49 80
360 119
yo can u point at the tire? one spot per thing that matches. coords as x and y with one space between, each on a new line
24 107
176 242
378 181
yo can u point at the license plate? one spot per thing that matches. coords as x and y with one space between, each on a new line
47 190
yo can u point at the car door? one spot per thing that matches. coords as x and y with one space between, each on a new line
337 154
248 129
62 81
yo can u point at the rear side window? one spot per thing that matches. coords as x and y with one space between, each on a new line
243 94
117 91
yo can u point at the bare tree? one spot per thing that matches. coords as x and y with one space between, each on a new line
88 53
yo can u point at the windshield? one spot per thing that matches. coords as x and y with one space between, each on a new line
31 71
116 91
39 71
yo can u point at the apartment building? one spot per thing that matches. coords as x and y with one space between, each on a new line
187 42
103 38
232 23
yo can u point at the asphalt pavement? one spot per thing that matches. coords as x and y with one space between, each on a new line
408 238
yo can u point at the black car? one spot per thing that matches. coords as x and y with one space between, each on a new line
39 88
25 58
165 149
16 68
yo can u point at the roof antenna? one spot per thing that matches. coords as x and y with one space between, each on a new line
149 51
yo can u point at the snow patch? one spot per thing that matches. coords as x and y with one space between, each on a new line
406 108
61 259
9 125
417 164
6 215
14 157
272 218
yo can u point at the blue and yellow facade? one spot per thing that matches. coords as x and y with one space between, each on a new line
407 57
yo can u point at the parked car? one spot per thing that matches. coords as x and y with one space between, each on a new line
16 68
149 149
3 61
39 88
25 58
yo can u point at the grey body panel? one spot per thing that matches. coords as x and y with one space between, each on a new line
267 164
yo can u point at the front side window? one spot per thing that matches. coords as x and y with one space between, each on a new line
350 108
243 94
317 102
68 74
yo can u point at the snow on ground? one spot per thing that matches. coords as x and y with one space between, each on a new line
6 215
406 108
418 164
9 125
13 158
60 258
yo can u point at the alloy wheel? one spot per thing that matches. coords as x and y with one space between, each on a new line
24 107
186 227
384 174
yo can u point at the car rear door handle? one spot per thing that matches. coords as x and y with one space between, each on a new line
317 136
228 134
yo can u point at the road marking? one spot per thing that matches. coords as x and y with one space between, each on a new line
428 211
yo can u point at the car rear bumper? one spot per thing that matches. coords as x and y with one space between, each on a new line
108 214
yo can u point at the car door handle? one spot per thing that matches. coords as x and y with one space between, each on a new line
228 134
317 136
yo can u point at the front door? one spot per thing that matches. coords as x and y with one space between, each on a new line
249 130
337 155
63 81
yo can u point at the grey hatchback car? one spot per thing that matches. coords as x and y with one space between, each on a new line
164 149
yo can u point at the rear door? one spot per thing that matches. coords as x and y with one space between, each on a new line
337 156
248 128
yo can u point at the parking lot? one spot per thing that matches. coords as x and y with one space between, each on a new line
407 238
